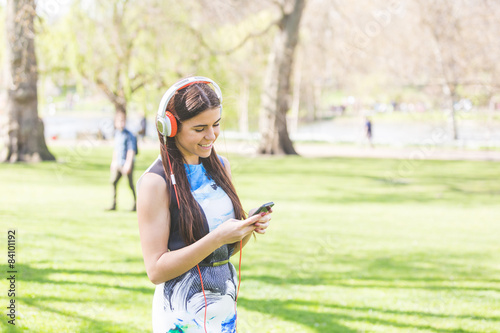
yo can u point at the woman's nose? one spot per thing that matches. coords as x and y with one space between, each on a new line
210 134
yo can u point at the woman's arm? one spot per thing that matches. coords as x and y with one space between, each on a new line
154 229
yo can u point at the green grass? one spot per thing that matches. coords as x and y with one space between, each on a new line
356 245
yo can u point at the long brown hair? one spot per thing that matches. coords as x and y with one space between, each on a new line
185 104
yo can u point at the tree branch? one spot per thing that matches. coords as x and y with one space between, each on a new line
201 39
108 91
281 6
250 36
137 87
142 83
197 34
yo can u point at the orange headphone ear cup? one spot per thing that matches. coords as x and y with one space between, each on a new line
169 118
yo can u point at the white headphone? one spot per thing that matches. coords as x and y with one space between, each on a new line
165 120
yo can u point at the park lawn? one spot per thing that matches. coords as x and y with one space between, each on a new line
356 245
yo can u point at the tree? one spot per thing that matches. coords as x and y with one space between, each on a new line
24 131
276 89
117 47
463 50
444 24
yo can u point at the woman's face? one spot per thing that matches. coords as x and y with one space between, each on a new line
198 134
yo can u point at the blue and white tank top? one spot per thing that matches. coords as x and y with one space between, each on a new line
215 203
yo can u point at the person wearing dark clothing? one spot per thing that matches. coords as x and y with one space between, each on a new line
368 130
142 128
123 160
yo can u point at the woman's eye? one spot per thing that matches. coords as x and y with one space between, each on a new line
199 130
215 125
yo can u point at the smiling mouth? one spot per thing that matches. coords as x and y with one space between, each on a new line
206 146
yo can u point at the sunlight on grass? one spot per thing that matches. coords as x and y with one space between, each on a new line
348 250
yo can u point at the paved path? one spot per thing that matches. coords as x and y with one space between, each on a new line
427 153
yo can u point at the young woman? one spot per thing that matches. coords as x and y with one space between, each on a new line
191 223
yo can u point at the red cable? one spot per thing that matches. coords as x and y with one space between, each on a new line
172 178
205 297
239 282
239 271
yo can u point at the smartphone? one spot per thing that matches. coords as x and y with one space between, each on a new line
264 208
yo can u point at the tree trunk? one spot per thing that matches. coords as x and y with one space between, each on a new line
24 132
297 81
453 120
311 103
449 90
244 99
120 106
276 90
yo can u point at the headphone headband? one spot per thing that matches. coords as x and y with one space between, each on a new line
162 108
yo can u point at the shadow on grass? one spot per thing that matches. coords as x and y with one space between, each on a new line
89 322
329 318
328 321
432 284
41 275
352 181
416 271
289 311
8 328
471 192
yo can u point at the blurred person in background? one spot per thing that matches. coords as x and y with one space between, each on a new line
124 152
142 127
368 131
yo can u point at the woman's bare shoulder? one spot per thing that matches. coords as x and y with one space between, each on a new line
225 163
152 188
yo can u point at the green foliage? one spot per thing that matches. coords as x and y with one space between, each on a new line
349 250
137 49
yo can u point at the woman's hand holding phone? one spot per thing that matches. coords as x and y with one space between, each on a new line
233 230
265 212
